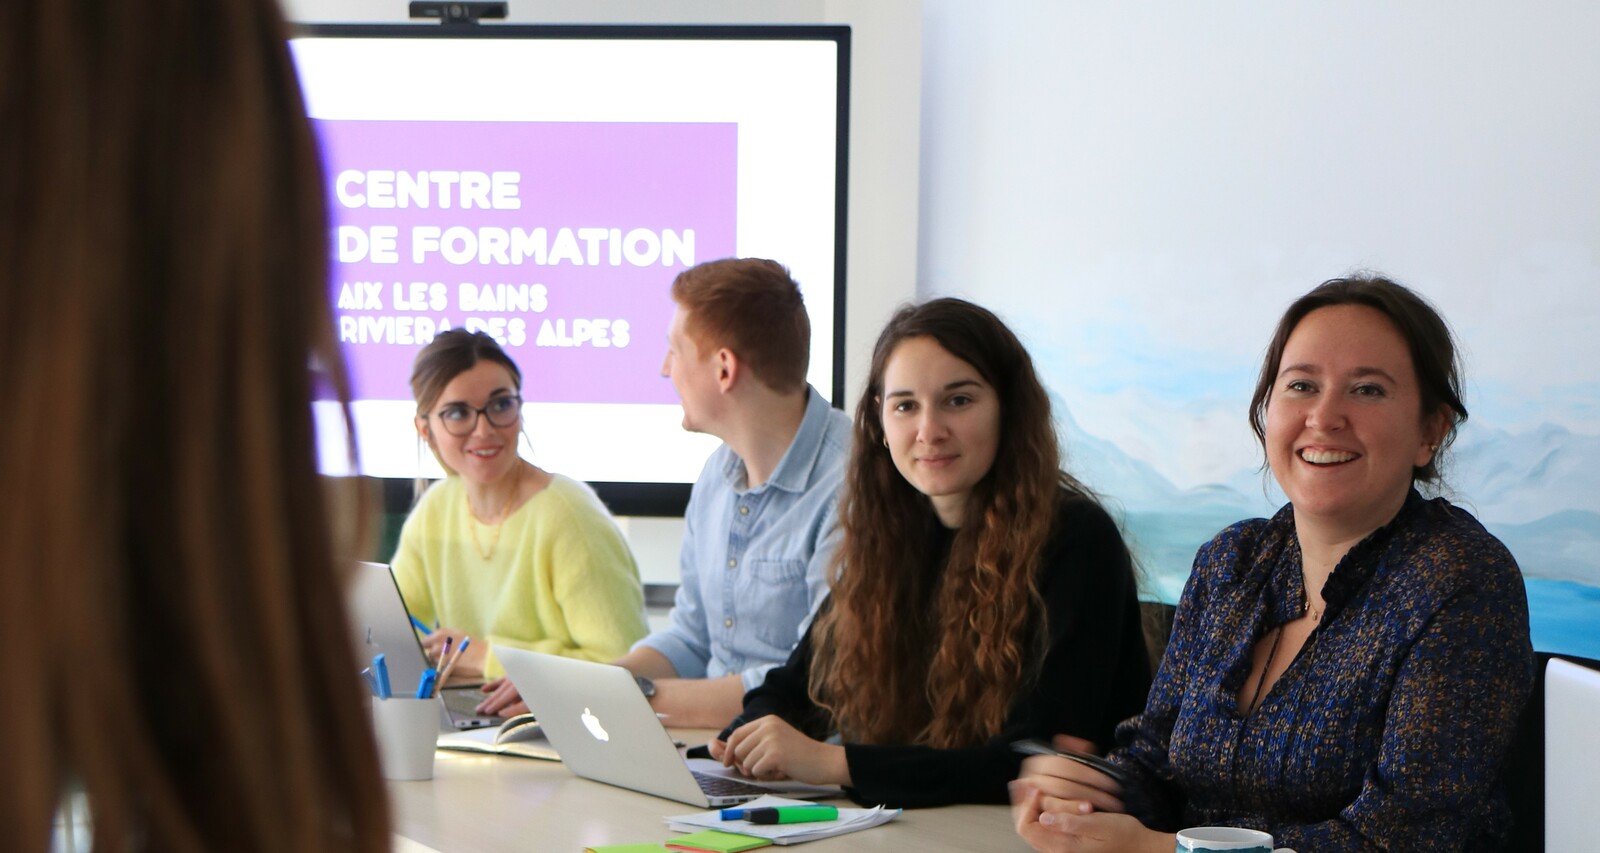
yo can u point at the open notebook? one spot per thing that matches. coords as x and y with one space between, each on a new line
521 735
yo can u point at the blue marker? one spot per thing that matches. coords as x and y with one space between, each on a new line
783 814
380 669
421 626
425 689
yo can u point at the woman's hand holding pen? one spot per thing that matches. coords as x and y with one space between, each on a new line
771 749
501 698
1064 806
1065 779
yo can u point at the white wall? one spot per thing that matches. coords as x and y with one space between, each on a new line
1142 188
886 67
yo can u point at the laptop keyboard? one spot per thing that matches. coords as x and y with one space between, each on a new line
722 786
462 701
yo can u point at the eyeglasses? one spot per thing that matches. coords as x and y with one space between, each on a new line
461 419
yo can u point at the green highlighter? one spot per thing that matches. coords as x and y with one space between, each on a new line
783 814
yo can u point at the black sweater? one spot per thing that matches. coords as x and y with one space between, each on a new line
1095 674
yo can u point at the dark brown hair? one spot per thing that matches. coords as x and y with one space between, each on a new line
753 307
906 655
172 620
449 355
1427 337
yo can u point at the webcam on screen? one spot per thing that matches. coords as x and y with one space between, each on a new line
458 11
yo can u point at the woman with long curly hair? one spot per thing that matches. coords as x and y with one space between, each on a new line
980 595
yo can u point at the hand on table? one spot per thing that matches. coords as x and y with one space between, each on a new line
1054 825
1064 806
501 698
771 749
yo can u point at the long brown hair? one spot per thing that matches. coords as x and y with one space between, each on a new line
910 653
172 627
450 354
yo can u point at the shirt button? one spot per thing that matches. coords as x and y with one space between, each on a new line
744 510
732 563
727 623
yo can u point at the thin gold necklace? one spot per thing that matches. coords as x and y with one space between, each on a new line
1305 605
472 520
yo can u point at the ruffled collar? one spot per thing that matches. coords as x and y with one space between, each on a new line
1281 561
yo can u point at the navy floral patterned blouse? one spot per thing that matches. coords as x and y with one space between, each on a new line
1390 728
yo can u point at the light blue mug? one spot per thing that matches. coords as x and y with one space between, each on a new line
1217 839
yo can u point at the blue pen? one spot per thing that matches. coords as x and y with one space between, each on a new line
425 689
421 626
380 668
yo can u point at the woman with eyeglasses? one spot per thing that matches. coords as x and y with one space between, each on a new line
501 550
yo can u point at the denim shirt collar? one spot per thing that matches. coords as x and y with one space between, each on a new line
795 469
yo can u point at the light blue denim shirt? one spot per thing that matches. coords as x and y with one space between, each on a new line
754 562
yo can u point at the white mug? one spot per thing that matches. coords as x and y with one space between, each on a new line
1206 839
407 730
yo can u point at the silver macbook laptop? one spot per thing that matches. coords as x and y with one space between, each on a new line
1571 755
381 623
605 730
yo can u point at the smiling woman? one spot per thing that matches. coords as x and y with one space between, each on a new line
941 423
981 596
1346 428
1348 674
502 550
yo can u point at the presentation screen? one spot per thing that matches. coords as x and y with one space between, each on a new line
545 185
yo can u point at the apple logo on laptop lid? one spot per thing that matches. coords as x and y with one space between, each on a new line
592 723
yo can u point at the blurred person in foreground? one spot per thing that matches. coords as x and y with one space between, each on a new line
171 616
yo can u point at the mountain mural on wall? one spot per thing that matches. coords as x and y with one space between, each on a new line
1525 477
1535 490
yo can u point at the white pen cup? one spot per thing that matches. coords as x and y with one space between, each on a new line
1210 839
407 731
